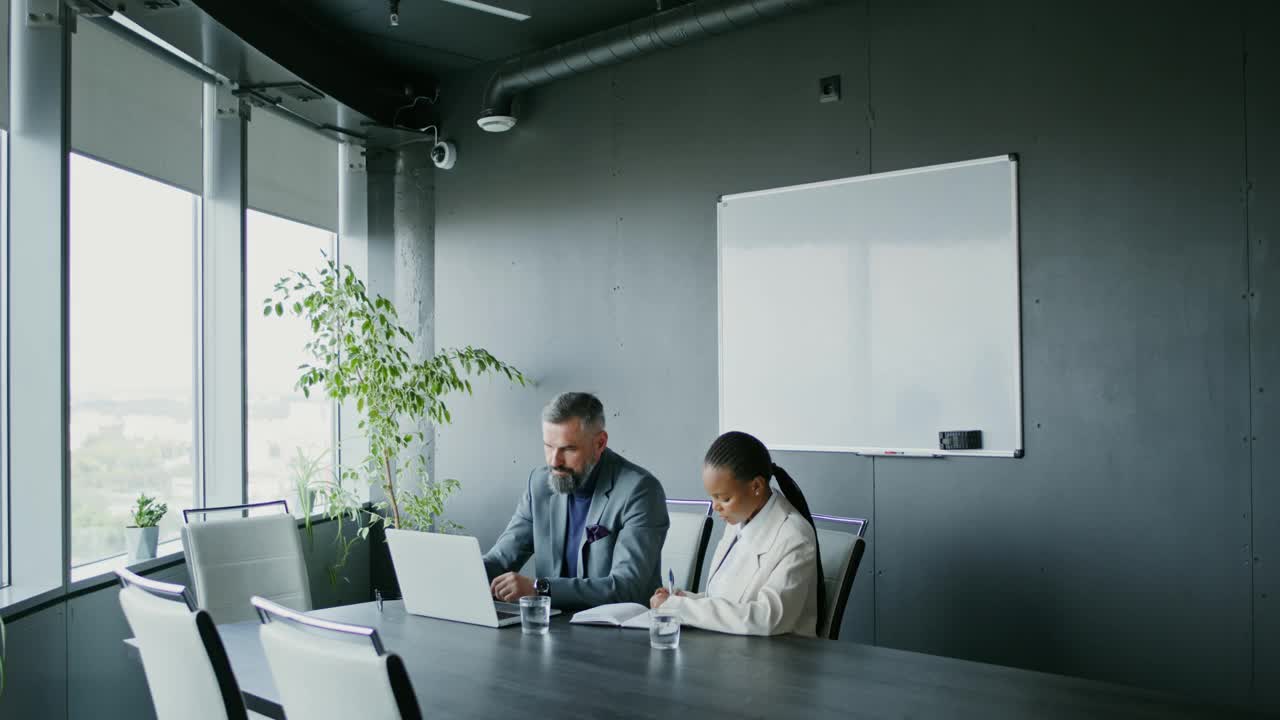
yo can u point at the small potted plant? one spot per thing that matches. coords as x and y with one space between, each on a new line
143 535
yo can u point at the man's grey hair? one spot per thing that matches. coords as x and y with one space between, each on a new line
567 406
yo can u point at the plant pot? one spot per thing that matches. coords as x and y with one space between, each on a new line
382 572
140 543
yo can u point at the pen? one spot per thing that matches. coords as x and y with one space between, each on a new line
671 577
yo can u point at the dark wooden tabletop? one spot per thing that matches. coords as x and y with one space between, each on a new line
581 671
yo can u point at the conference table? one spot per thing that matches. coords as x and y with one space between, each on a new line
585 671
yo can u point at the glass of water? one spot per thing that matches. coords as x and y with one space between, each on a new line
535 614
664 630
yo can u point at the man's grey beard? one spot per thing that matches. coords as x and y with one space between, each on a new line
565 484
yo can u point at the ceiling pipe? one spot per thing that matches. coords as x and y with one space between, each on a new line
648 35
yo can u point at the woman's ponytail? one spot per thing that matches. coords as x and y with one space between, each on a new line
792 492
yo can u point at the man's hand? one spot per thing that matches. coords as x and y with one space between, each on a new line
510 587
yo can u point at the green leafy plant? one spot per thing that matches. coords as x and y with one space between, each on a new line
343 505
306 471
424 509
360 353
148 512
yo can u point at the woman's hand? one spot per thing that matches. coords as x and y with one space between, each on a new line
660 596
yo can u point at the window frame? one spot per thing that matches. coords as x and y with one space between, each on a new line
251 305
87 568
40 570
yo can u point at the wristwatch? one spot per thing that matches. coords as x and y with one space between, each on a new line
542 586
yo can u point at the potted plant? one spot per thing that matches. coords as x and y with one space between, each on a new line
361 354
306 471
143 535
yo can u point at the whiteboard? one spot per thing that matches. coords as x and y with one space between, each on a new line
870 313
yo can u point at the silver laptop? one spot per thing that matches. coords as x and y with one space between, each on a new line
442 576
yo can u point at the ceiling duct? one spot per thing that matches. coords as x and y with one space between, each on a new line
667 29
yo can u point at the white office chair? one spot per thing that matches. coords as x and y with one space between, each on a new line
182 655
316 665
686 543
233 559
841 554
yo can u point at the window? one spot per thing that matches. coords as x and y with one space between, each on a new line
132 352
290 436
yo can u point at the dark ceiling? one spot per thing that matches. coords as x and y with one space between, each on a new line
348 50
441 37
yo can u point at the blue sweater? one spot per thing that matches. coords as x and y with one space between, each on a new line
575 524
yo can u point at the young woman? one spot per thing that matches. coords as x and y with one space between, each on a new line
766 574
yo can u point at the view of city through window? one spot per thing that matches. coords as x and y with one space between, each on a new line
132 352
290 436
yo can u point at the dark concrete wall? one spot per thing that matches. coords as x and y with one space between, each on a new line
581 246
1262 80
1118 548
36 666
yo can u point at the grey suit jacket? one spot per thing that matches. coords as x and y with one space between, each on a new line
620 567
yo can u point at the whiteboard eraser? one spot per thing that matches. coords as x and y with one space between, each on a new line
960 439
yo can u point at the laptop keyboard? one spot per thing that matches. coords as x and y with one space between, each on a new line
506 609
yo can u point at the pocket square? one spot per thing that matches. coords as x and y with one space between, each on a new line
596 532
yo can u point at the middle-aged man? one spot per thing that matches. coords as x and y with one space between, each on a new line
593 522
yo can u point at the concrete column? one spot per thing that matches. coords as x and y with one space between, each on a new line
414 237
401 243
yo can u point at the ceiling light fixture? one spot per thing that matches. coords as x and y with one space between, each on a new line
492 8
496 123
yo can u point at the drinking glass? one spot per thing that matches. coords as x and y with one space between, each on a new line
664 630
535 614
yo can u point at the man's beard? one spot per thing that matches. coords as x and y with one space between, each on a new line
570 481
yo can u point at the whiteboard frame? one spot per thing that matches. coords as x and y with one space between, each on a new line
724 201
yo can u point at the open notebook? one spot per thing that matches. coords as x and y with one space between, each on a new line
627 615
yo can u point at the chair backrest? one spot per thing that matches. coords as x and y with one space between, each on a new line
842 551
317 666
686 543
182 655
231 560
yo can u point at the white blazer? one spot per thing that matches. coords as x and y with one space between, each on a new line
779 592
